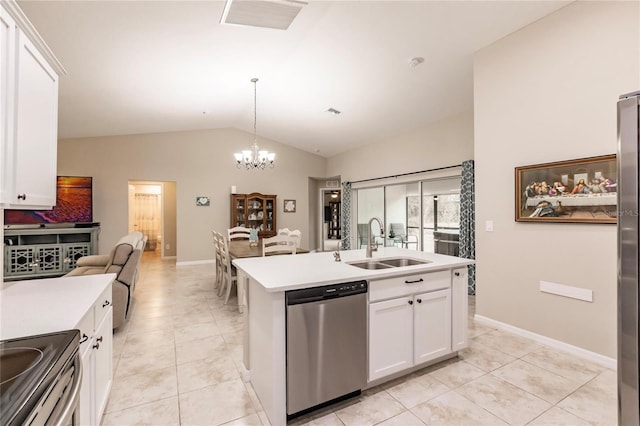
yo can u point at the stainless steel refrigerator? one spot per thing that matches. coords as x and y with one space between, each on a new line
628 261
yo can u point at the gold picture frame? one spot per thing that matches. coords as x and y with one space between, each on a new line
574 191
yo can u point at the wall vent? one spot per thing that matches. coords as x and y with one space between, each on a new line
332 184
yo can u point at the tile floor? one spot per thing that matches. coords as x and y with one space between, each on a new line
178 361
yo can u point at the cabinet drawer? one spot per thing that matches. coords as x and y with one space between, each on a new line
409 284
102 306
86 329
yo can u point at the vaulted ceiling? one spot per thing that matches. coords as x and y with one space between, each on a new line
157 66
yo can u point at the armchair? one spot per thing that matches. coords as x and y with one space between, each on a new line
123 260
363 236
398 233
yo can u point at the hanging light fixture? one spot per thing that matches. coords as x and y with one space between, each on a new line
254 158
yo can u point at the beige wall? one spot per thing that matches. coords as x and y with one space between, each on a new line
445 143
170 222
201 163
548 93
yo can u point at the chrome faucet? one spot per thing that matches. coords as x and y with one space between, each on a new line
336 254
371 245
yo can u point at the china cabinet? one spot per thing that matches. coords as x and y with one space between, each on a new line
255 211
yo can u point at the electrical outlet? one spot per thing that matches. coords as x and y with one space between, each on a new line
167 246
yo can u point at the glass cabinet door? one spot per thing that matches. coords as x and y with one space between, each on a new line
269 212
240 211
255 213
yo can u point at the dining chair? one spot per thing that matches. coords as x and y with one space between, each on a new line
216 246
238 232
297 236
280 244
283 231
229 276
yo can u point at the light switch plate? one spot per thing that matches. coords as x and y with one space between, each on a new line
488 226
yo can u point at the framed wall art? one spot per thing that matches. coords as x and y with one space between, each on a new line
289 206
579 191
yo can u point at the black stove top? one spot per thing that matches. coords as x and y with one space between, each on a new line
28 365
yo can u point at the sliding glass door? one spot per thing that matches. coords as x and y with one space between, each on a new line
441 215
416 215
370 204
402 207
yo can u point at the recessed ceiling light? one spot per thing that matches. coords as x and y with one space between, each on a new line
334 111
414 62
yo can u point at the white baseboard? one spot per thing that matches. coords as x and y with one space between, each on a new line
605 361
194 262
168 257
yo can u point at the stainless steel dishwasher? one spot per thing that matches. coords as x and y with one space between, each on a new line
326 345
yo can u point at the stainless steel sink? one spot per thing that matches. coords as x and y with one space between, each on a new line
395 262
370 264
404 261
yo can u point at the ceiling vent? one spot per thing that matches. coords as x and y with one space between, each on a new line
276 14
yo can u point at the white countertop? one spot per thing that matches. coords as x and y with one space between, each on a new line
281 273
46 305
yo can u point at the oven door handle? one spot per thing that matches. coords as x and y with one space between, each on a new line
72 402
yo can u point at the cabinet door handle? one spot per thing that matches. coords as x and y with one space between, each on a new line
419 300
99 339
457 274
411 302
106 303
414 281
96 346
22 196
84 338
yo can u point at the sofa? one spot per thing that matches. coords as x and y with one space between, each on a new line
123 260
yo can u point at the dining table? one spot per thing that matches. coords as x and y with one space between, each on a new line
240 249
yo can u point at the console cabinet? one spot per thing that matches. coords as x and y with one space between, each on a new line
46 252
29 114
255 211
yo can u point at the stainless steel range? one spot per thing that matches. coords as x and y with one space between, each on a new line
40 379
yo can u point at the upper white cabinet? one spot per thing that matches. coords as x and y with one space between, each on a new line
29 114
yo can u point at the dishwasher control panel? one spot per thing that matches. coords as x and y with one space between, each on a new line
294 297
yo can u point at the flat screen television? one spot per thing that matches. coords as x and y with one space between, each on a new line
74 204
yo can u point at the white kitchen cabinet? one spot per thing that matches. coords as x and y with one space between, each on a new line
96 337
431 325
102 373
30 115
459 303
411 329
390 337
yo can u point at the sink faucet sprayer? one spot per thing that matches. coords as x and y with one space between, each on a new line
371 245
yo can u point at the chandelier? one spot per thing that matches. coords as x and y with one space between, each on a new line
254 158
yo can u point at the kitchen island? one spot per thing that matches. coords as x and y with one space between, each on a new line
417 315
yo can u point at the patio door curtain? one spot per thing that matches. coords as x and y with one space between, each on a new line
346 216
468 221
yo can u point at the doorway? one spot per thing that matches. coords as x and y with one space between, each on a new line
331 218
152 207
